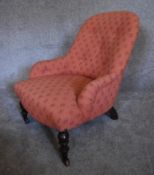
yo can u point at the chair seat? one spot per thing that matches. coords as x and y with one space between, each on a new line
52 100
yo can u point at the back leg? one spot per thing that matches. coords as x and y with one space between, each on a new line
24 114
112 113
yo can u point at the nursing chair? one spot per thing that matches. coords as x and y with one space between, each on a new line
66 92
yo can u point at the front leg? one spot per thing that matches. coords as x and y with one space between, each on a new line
112 113
63 138
24 114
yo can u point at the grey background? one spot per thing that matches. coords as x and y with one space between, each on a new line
32 30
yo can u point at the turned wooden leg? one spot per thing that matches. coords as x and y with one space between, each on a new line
63 138
24 113
112 113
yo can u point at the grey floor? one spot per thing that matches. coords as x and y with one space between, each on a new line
100 147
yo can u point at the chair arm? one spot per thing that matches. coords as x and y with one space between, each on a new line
99 94
49 67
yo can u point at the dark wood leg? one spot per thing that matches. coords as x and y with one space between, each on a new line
112 113
63 138
24 114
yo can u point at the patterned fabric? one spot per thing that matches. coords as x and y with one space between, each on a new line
52 99
70 90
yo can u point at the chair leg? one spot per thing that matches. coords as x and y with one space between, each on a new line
24 114
112 113
63 138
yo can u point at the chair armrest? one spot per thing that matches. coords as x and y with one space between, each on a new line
99 94
49 67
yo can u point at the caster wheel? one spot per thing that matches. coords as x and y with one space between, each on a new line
66 162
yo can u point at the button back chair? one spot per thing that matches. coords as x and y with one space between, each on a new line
66 92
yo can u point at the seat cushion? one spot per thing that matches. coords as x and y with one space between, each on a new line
52 100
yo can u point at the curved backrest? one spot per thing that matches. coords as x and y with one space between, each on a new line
104 43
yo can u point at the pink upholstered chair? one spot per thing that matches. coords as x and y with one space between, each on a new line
68 91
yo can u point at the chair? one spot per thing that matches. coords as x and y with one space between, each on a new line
70 90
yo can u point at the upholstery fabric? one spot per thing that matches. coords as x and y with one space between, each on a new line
70 90
52 99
